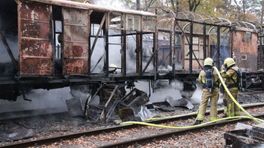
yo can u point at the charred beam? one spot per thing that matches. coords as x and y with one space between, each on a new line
172 45
204 41
155 48
170 55
203 23
139 48
103 114
118 35
123 48
218 46
149 61
191 48
106 33
138 53
91 98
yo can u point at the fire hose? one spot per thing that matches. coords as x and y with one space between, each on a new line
248 116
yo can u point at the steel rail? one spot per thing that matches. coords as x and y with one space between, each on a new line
171 133
53 139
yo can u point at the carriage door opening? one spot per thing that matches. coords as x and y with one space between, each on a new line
58 39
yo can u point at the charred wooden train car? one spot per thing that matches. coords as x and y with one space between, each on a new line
192 40
55 43
52 43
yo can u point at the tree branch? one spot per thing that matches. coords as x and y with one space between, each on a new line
173 6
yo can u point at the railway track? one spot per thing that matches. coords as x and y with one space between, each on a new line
50 140
165 135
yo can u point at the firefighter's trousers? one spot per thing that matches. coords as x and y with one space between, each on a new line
213 96
231 109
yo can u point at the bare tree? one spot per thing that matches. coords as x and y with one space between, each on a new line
149 3
173 5
244 9
193 4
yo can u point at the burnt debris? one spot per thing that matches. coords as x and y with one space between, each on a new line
246 137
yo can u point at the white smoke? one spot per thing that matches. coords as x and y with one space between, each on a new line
12 41
197 96
163 91
41 99
13 44
115 52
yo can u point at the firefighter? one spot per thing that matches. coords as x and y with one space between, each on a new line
230 73
210 82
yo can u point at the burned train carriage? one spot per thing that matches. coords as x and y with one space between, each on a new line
189 38
54 43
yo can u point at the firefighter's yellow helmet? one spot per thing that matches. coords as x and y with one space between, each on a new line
229 62
208 62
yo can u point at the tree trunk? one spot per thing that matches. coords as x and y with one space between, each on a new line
193 4
138 4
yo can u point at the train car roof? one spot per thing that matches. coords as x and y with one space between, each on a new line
87 6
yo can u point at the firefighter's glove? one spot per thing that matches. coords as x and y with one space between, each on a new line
222 72
223 69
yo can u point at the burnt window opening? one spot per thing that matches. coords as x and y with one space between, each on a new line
58 38
9 31
97 62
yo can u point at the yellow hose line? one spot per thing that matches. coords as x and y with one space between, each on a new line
248 116
184 127
233 99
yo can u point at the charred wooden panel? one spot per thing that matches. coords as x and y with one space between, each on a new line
32 29
34 39
76 66
245 48
76 49
33 48
73 50
36 66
